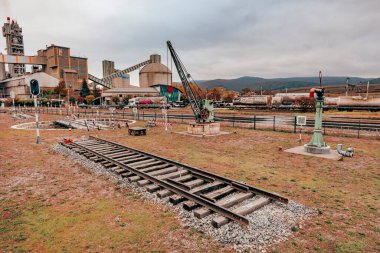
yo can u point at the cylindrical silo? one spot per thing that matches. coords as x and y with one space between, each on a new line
155 73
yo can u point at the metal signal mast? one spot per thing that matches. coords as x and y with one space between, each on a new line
202 108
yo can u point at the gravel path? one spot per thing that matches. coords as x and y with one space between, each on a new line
269 225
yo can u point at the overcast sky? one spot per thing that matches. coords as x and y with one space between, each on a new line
214 38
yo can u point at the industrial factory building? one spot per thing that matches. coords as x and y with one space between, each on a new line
154 78
49 66
55 63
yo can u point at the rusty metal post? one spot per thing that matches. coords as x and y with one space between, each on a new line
274 123
254 122
359 130
295 124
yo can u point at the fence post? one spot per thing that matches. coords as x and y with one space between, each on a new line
138 115
123 112
274 123
295 124
254 122
143 115
233 121
155 116
359 130
182 117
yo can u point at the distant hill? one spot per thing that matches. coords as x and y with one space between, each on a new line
375 81
255 83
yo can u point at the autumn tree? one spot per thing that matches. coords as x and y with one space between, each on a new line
90 98
215 93
61 88
305 103
194 87
229 96
245 91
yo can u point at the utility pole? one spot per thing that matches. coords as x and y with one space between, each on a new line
367 89
347 81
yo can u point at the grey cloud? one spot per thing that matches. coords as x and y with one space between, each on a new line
216 39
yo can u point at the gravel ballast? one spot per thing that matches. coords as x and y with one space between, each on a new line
268 225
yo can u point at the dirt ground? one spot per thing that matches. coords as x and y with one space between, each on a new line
48 203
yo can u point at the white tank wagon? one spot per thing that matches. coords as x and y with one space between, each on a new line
331 101
358 103
291 98
277 101
253 100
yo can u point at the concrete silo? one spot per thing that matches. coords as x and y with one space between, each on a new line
155 73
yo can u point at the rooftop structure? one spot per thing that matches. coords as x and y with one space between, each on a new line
14 45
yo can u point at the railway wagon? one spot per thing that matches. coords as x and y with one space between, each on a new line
358 103
253 100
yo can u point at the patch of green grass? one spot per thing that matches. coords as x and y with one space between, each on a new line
349 247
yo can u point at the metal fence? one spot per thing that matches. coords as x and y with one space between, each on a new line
340 126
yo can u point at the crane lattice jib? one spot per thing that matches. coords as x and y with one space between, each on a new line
184 75
107 81
99 81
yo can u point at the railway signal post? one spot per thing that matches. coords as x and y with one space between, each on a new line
35 91
317 144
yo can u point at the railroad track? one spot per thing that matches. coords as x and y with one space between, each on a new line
197 190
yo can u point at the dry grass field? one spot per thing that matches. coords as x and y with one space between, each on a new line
50 204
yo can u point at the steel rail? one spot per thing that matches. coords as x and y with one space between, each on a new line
233 183
199 200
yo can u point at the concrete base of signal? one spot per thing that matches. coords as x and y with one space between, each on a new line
333 154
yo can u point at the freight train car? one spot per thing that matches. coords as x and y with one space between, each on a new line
263 102
299 101
358 103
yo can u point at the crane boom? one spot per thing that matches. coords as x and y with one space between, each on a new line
202 109
107 81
